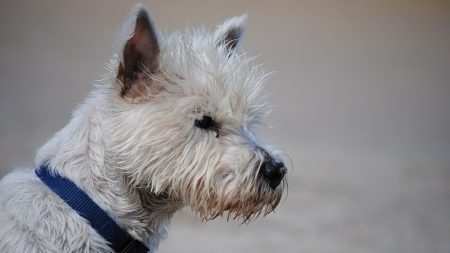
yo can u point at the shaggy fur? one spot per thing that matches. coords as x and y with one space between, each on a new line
134 146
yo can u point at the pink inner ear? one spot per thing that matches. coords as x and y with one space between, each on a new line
146 40
143 90
140 57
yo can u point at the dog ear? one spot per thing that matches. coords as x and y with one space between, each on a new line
139 55
230 33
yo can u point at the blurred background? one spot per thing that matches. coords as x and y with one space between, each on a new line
362 107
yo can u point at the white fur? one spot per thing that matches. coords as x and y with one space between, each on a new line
142 161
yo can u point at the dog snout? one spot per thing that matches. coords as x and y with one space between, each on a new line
272 171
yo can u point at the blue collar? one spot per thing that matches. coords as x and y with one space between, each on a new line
105 226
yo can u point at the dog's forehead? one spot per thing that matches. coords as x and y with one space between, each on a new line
231 84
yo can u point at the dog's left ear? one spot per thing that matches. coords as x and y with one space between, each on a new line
230 33
139 55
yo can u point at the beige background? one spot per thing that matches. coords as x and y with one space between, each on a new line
362 95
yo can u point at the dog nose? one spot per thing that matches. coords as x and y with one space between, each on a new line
273 172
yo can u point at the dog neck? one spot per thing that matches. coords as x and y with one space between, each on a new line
78 153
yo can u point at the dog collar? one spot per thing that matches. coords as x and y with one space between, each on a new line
105 226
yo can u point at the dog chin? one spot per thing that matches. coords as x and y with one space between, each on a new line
244 210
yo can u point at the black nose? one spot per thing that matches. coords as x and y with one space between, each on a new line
273 172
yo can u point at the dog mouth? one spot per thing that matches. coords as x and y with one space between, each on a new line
242 195
243 205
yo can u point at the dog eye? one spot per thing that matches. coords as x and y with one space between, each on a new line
207 123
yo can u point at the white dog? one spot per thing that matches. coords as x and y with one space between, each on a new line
172 125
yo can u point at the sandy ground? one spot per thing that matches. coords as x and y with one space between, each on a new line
362 107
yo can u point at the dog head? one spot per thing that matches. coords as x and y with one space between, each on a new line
184 110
